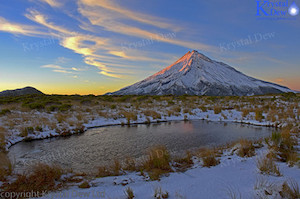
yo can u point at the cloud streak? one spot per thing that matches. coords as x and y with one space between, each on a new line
109 16
16 28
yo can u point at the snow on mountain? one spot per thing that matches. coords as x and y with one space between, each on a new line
196 74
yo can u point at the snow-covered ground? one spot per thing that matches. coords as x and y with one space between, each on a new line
233 176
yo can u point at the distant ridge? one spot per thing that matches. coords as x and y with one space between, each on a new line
21 91
196 74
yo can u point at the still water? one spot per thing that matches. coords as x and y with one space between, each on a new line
100 146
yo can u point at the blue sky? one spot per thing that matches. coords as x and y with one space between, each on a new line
97 46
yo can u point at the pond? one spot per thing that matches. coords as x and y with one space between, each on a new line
100 146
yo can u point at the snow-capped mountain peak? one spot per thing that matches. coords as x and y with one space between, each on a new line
196 74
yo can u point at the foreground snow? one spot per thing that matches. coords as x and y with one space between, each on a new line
233 176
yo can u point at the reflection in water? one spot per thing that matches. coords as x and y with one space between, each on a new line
188 127
100 146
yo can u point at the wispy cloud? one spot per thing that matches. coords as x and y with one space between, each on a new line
59 69
16 28
110 16
62 71
109 74
52 66
43 20
52 3
126 13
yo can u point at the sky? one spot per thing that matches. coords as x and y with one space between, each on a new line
99 46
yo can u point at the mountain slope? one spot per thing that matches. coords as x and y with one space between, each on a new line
21 91
196 74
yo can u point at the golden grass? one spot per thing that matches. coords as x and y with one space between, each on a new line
259 115
283 145
60 117
153 114
209 157
129 193
42 178
130 164
3 133
158 162
5 166
246 149
111 170
184 163
245 112
290 189
217 109
130 116
84 185
160 194
266 165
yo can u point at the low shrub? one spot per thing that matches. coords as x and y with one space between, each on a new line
64 107
4 112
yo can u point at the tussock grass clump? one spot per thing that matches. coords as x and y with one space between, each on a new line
209 157
158 162
290 189
153 114
246 149
2 138
5 166
26 131
266 165
203 108
129 193
184 162
112 170
60 117
129 116
176 109
4 112
42 178
160 194
245 112
217 109
259 115
283 145
130 164
103 171
84 185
